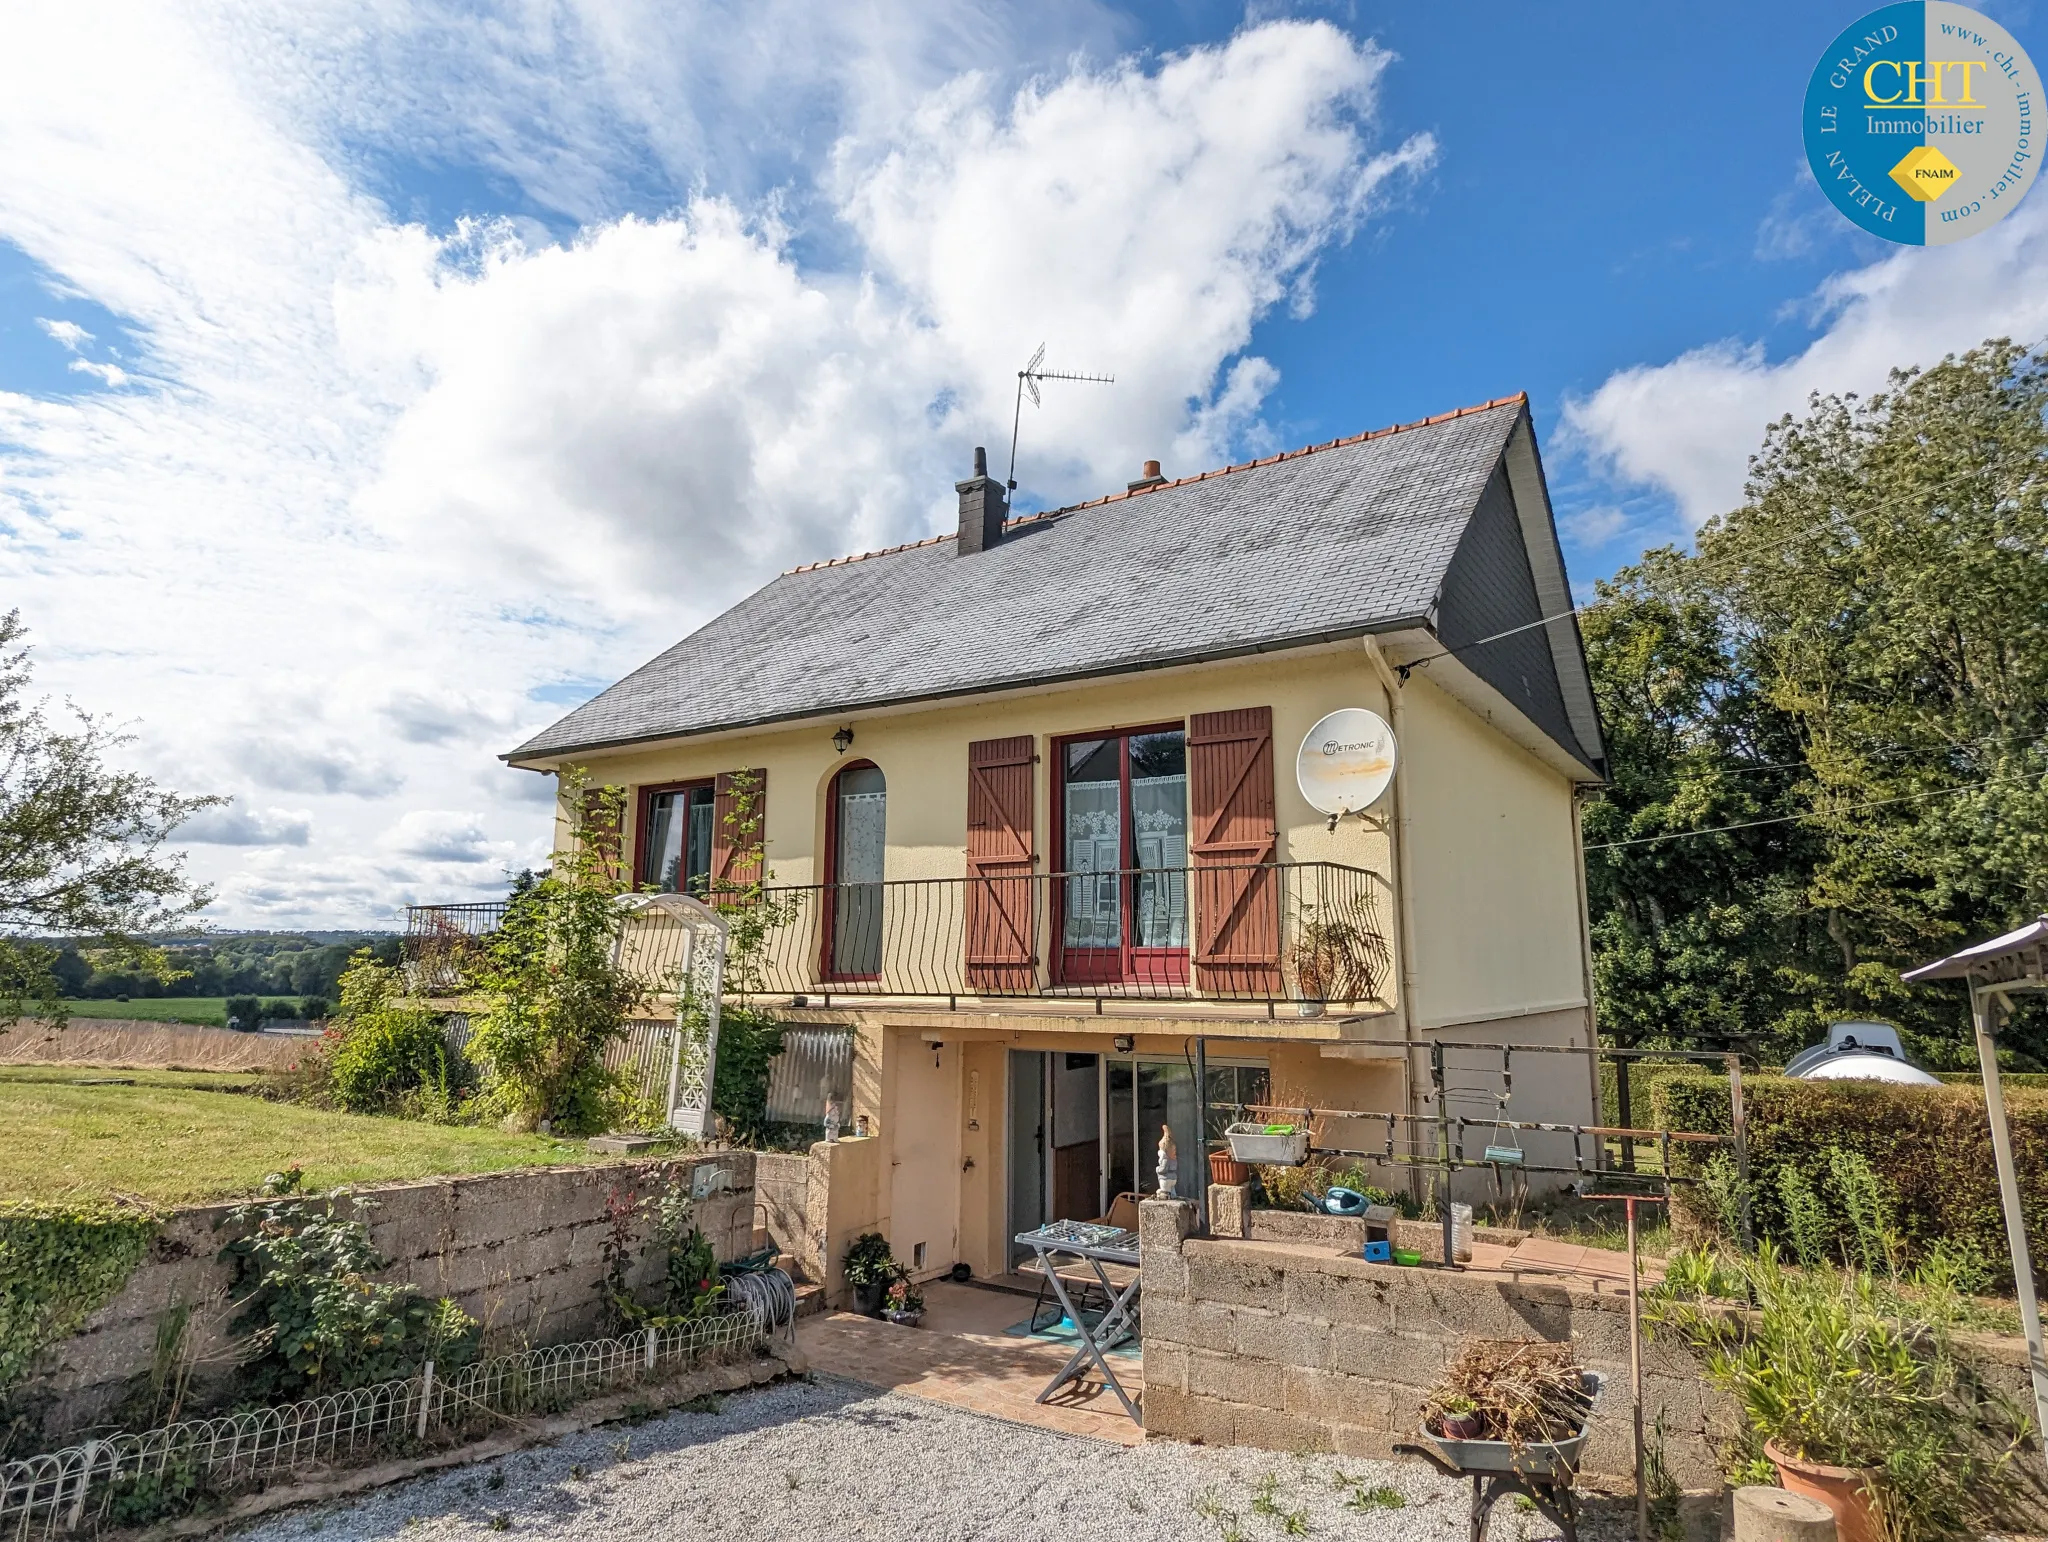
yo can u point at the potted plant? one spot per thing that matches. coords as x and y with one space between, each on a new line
1457 1418
1525 1394
904 1302
869 1267
1851 1391
1337 954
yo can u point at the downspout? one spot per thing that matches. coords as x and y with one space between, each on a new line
1404 903
1404 906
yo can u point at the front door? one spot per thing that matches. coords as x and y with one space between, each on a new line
1124 844
921 1120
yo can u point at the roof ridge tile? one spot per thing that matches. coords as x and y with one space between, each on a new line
1200 476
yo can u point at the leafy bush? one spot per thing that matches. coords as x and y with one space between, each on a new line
558 994
314 1008
243 1012
1929 1148
1303 1187
317 1320
749 1038
1831 1366
382 1046
691 1286
58 1265
868 1260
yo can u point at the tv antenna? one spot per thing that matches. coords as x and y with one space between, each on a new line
1027 380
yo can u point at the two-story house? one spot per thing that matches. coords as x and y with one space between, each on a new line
1028 797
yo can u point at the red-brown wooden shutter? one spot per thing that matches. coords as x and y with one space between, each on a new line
1002 912
1237 904
600 831
736 854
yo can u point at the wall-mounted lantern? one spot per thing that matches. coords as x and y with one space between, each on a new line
843 740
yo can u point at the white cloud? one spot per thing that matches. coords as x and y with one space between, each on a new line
446 835
69 333
291 765
106 374
1689 427
1594 526
372 485
235 825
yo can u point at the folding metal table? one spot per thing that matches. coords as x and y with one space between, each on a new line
1094 1245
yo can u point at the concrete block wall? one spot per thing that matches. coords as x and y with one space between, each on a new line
1292 1345
520 1251
1287 1339
816 1202
782 1190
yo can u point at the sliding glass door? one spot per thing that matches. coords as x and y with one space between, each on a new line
1141 1096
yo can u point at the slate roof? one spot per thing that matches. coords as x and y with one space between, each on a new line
1337 540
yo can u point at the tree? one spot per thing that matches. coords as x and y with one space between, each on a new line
1859 656
1888 579
1691 944
81 844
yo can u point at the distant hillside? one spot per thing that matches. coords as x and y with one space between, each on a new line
298 964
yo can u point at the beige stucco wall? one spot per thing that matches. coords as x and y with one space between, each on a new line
1496 907
923 754
1493 865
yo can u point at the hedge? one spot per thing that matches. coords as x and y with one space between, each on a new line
2007 1079
1931 1145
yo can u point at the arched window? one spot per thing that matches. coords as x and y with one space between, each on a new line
857 839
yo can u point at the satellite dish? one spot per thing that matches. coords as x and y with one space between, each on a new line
1346 762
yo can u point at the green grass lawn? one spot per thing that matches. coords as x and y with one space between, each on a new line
174 1137
206 1011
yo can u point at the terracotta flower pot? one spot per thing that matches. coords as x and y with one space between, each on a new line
1226 1169
1842 1489
1464 1426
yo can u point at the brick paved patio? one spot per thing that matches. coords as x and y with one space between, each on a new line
962 1355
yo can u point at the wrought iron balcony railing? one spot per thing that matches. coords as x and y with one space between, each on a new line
1266 932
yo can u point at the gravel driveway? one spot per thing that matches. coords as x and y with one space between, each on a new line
831 1459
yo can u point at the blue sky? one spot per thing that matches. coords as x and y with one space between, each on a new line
374 383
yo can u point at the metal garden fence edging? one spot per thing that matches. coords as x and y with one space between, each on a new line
59 1492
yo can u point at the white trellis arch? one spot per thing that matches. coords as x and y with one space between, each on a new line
679 940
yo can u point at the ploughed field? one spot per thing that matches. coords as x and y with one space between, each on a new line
183 1137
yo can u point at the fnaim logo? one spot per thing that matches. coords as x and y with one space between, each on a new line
1921 122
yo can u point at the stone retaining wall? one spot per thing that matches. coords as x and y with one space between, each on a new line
520 1251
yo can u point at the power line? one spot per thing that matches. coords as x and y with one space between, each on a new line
1783 819
1403 670
1891 748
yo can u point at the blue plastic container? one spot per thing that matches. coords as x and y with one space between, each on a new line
1379 1252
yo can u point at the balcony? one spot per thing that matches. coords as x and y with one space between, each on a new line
1259 935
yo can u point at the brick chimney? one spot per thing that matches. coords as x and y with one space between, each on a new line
983 507
1151 478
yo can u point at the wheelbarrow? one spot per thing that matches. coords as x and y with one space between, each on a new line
1541 1470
